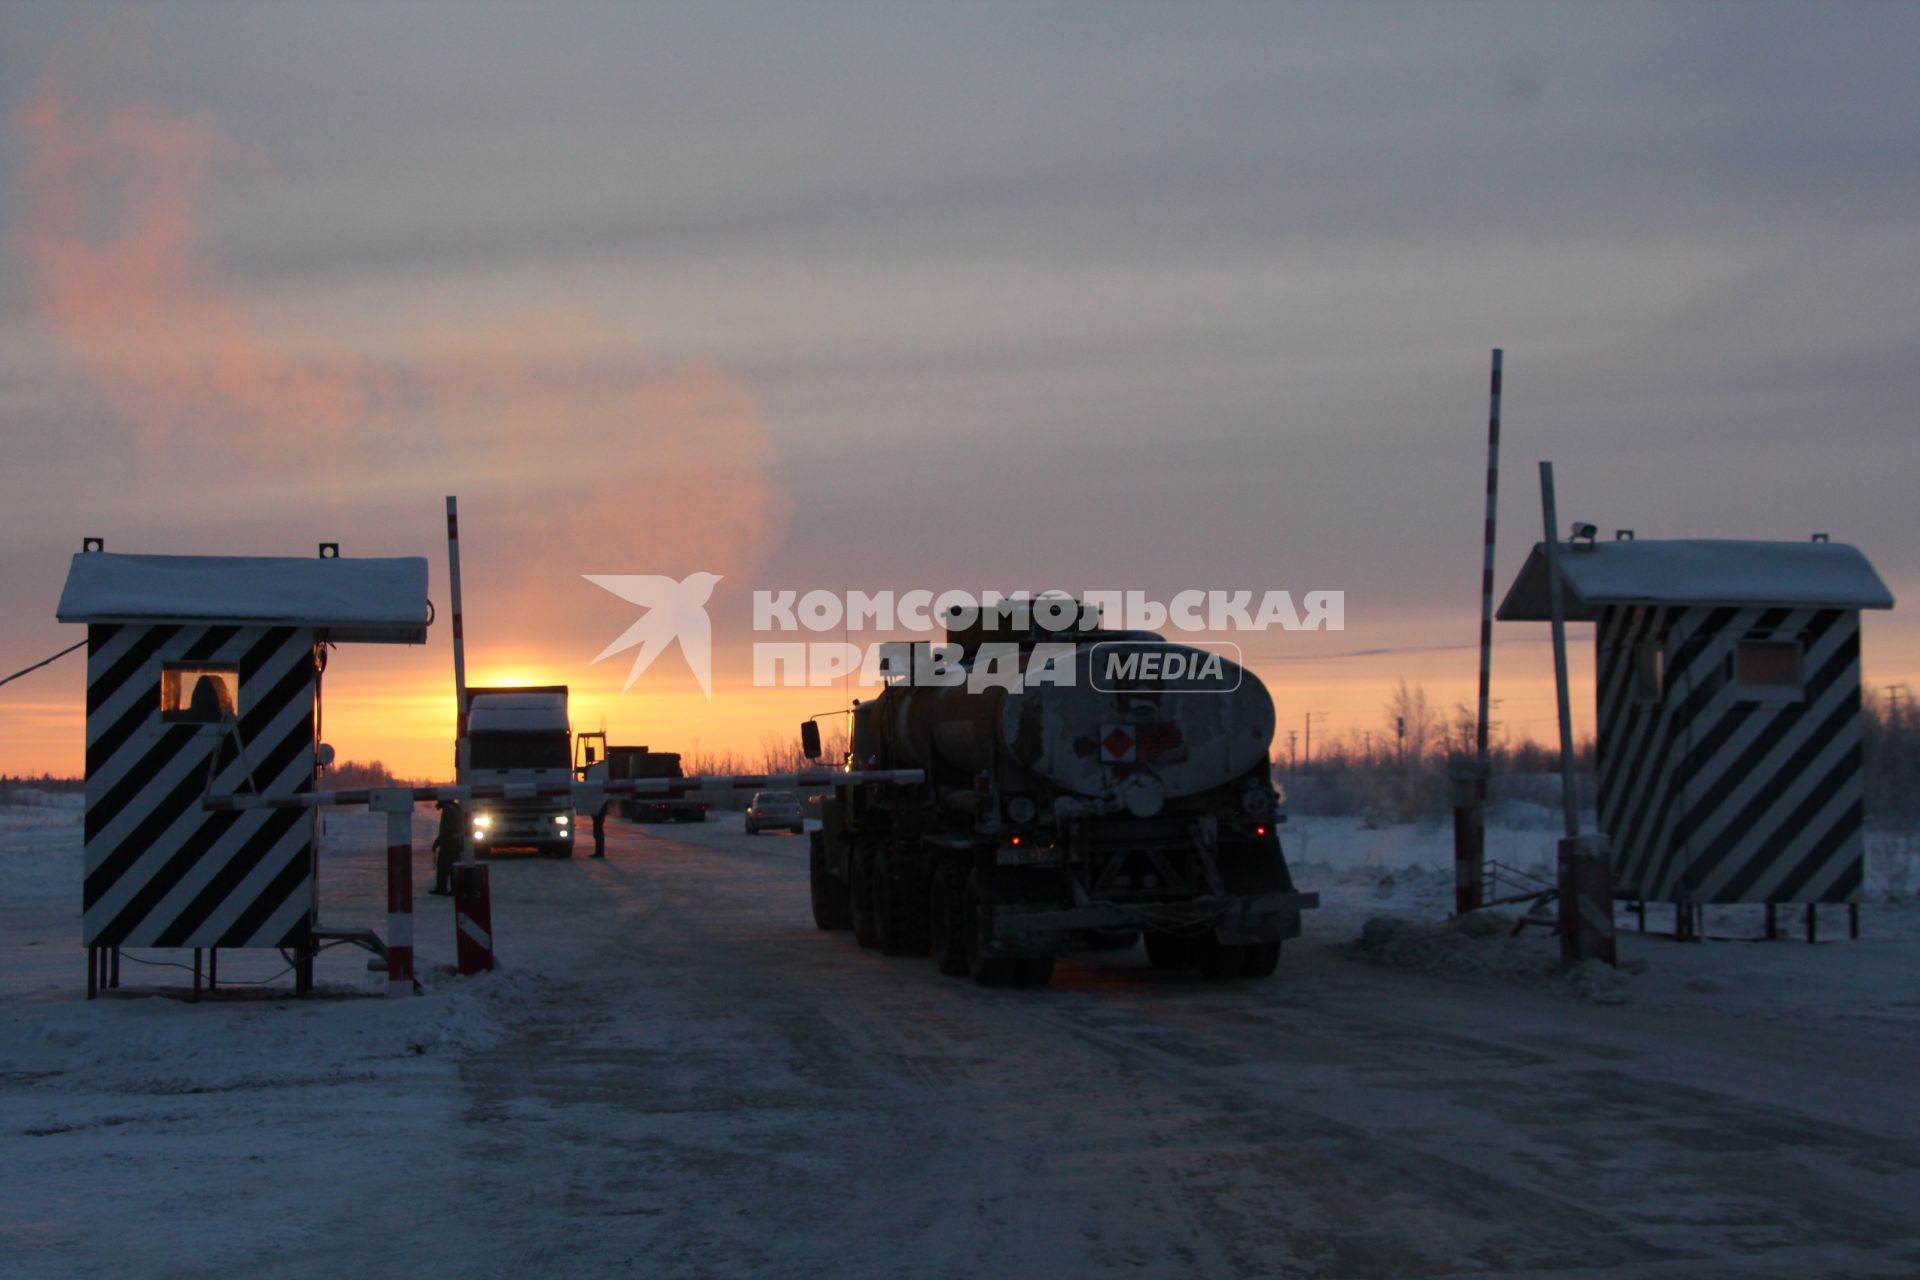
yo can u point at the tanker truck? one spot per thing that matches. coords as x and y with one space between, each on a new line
1118 789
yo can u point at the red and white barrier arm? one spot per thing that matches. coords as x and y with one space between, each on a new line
564 790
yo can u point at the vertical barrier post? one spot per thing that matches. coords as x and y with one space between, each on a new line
472 918
1586 900
397 804
1468 778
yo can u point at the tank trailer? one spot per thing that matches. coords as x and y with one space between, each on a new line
1119 789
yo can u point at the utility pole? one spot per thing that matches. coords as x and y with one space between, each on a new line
1366 736
1400 750
1323 721
1586 863
1293 751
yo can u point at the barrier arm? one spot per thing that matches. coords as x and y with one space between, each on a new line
398 804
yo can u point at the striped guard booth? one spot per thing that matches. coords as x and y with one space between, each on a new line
159 871
1728 711
203 676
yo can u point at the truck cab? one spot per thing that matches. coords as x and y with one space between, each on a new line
519 744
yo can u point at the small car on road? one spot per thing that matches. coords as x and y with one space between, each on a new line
779 810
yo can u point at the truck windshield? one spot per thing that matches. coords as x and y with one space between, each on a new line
538 749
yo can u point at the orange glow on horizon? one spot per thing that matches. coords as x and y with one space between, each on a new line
395 705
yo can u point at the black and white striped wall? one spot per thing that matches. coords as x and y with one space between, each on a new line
160 870
1713 792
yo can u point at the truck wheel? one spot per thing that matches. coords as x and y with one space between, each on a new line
830 907
988 971
860 894
1166 951
1220 959
900 915
1261 959
946 918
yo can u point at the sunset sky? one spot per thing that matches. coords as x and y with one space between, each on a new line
987 296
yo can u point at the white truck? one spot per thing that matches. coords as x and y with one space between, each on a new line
518 738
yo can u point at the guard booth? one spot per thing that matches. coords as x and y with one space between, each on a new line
1728 718
204 676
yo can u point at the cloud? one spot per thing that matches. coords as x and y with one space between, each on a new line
110 231
571 444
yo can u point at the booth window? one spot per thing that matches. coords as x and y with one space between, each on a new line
192 693
1768 670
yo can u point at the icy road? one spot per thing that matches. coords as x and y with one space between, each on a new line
674 1074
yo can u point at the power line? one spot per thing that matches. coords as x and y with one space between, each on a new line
44 661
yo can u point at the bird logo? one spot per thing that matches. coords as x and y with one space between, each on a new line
675 610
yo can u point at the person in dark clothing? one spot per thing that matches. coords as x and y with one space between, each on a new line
447 845
600 830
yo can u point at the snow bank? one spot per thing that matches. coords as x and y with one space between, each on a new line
1482 943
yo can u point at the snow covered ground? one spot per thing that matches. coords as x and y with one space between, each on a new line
672 1073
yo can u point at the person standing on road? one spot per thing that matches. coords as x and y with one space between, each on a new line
447 845
600 830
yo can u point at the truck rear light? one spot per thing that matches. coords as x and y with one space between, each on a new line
1260 830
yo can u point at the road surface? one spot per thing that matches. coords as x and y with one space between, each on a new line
728 1091
706 1086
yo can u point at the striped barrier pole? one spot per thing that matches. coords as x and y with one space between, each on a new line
369 798
1470 848
460 746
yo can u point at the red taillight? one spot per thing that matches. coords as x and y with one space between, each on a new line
1259 831
1014 841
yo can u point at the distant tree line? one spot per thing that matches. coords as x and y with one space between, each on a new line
353 775
1396 773
1399 772
29 790
1891 753
1384 776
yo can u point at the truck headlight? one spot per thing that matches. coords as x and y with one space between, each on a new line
482 820
562 819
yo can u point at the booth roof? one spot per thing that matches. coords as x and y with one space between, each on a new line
370 600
